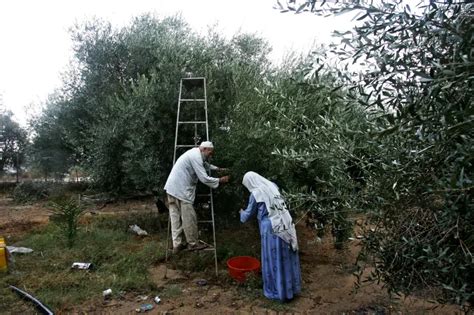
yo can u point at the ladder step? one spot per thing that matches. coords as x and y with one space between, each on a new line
204 195
205 221
204 249
186 145
193 122
192 100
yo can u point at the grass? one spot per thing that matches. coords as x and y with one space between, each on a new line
172 290
251 288
121 261
276 306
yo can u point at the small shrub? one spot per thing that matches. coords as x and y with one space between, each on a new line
7 187
66 213
30 191
172 291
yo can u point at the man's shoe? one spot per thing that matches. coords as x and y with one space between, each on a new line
197 246
179 248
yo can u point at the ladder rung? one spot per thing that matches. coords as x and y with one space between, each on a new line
186 145
204 195
193 78
192 122
204 249
192 100
205 221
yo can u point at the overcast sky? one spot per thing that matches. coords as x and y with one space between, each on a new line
35 46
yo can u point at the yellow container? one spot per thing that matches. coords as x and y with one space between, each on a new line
3 255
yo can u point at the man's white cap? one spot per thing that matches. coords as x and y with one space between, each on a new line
207 144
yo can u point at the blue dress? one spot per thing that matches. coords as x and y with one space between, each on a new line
280 264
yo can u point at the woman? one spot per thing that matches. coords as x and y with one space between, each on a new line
280 262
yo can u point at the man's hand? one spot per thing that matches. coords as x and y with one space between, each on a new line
224 179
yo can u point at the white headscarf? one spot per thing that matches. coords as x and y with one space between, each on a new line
265 191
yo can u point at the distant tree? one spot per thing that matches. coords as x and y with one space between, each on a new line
13 142
51 153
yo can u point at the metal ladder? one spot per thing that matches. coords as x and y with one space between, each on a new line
185 87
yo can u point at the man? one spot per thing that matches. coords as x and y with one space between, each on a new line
181 191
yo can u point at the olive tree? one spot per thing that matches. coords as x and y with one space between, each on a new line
118 106
419 85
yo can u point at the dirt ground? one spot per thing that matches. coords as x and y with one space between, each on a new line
328 283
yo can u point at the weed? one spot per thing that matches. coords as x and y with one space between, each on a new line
276 306
172 290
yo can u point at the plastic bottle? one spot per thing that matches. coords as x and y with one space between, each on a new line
144 308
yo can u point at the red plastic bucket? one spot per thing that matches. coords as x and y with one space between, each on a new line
239 266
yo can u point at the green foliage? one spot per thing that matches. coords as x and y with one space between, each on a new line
66 213
419 88
296 130
51 154
116 113
13 142
31 191
7 187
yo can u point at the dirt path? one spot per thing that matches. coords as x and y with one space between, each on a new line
328 283
15 219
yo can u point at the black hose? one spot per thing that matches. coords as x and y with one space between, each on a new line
40 306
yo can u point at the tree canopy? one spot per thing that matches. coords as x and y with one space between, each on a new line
117 108
419 84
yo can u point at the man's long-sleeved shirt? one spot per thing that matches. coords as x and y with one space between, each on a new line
188 169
